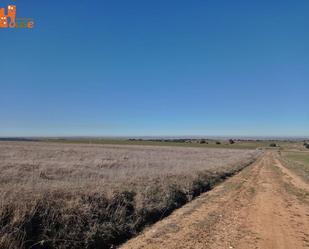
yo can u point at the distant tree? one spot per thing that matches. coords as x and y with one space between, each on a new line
203 141
231 141
218 142
273 145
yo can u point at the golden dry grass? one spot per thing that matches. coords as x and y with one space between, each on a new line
96 196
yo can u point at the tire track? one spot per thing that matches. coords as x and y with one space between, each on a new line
253 209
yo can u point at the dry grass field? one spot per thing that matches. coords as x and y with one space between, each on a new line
265 206
298 161
96 196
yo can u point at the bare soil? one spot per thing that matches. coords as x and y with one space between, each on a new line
265 206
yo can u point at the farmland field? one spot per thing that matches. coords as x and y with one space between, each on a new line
265 206
56 195
209 143
302 157
298 161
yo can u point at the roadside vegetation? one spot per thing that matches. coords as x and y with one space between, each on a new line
96 196
298 161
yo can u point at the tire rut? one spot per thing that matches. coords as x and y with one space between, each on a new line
253 209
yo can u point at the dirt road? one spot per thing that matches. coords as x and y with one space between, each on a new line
266 206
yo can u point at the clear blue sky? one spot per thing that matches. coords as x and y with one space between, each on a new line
156 67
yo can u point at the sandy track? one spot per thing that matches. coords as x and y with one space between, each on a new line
265 206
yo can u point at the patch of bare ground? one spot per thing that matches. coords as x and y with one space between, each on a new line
258 208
